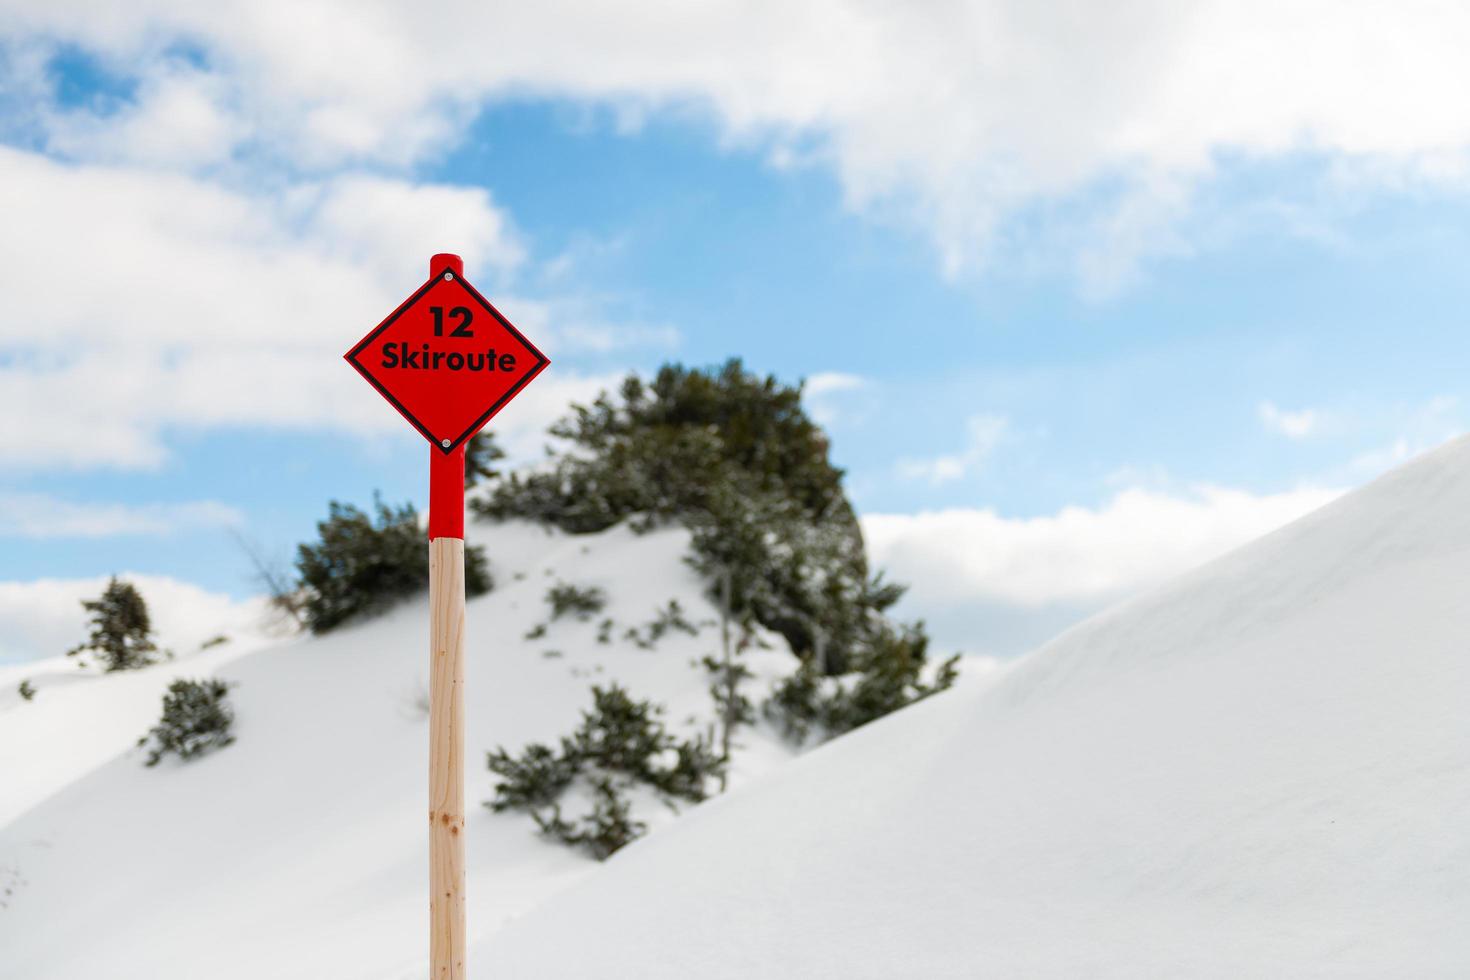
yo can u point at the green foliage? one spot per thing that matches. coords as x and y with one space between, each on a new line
797 703
583 603
481 454
668 617
887 675
621 743
620 734
658 450
732 708
731 705
791 573
534 780
122 635
734 457
26 690
197 717
606 829
361 564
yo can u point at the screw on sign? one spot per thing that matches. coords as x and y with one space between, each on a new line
448 361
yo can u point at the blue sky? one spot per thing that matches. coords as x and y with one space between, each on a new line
1064 347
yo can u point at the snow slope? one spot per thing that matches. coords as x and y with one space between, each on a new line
1262 770
300 851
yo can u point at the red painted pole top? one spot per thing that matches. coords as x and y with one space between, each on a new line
446 493
446 470
446 260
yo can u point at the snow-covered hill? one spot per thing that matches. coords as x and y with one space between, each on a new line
300 852
1262 770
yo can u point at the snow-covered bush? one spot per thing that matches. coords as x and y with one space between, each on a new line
733 455
197 717
360 564
735 458
619 745
122 634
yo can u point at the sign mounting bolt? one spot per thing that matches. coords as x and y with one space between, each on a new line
444 443
448 276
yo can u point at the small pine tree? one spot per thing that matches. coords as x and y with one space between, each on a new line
122 634
362 564
197 717
26 690
620 743
536 779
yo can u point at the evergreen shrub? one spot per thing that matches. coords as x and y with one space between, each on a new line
363 563
620 744
121 635
197 718
583 603
734 457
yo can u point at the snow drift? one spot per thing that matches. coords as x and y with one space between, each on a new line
300 851
1260 770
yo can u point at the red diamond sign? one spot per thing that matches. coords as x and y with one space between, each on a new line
447 360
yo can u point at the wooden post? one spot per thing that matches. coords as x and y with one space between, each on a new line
448 404
446 700
446 760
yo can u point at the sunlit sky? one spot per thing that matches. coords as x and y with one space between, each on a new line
1083 295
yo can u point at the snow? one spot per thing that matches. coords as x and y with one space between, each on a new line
300 850
77 721
1262 769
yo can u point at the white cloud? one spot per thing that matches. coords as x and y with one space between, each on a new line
35 515
974 119
219 235
823 394
1079 555
983 434
180 118
351 216
826 382
44 618
567 324
1294 425
141 301
602 338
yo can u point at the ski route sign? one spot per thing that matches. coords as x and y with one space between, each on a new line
447 359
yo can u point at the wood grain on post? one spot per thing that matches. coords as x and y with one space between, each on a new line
446 759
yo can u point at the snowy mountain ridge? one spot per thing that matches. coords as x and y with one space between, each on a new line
1260 770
